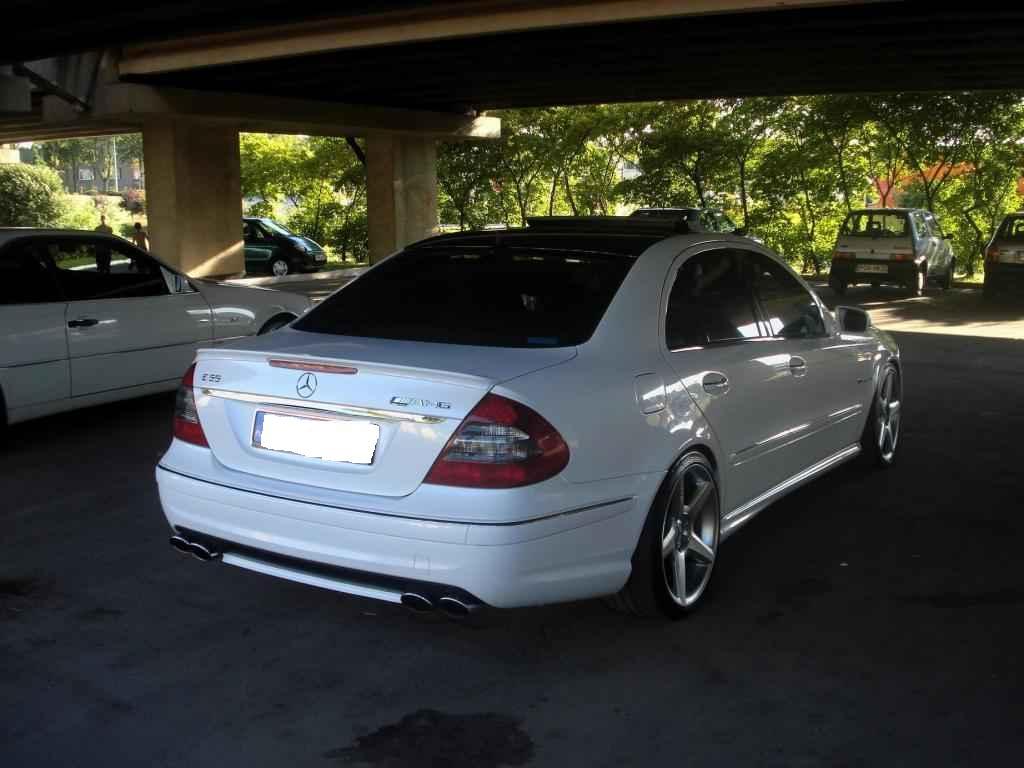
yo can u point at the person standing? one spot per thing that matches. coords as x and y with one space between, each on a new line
140 238
102 249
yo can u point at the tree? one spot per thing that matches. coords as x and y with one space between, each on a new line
745 126
464 172
523 156
795 175
30 196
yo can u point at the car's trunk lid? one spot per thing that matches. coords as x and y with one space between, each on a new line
407 398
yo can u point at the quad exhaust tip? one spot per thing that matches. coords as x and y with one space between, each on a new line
194 548
451 607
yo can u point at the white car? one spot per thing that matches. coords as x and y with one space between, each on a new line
892 246
87 318
584 407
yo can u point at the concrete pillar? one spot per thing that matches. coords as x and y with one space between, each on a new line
194 196
401 191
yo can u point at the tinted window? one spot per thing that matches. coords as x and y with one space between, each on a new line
98 268
25 277
933 226
876 224
1012 229
490 296
711 301
789 308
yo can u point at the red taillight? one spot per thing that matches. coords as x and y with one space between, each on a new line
186 416
992 255
500 444
842 255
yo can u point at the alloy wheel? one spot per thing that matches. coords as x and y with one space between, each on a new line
689 535
279 268
889 414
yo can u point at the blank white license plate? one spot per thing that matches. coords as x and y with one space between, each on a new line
348 442
875 269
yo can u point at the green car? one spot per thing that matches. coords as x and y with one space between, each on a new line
273 249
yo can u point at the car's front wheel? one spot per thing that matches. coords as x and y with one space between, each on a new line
279 267
678 547
882 432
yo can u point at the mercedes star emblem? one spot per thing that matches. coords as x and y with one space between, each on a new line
307 385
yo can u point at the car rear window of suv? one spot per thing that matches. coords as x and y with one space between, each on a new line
484 296
876 224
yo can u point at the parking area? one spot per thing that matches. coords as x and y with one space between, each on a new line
863 617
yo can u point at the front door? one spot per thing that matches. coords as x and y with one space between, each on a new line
738 376
260 247
33 343
128 324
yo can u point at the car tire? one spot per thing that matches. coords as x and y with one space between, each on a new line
880 438
274 323
280 267
676 553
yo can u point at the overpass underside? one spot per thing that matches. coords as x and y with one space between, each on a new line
405 73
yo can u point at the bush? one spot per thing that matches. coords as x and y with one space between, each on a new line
30 196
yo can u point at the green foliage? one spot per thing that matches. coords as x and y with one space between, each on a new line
318 180
30 196
84 211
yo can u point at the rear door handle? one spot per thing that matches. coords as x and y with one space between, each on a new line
715 384
797 365
83 322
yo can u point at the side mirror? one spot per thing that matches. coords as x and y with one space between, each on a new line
853 319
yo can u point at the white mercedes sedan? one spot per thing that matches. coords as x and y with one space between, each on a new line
87 318
581 408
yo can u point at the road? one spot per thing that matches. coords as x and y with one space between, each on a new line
867 620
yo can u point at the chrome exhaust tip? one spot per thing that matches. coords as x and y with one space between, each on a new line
455 608
181 544
416 603
194 548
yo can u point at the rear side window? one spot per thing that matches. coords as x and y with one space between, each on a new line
876 224
1012 229
789 309
25 276
487 296
711 301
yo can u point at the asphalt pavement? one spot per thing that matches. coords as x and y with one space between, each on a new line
869 619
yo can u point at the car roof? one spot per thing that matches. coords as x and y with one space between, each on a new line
12 233
613 235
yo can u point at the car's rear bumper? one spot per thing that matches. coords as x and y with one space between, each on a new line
563 557
1004 277
896 272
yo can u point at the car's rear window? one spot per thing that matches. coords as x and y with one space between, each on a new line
1012 229
876 224
488 296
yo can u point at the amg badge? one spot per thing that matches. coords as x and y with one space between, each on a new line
416 402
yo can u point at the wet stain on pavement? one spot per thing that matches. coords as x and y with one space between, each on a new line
432 739
17 593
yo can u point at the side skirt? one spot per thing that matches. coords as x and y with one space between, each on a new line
733 521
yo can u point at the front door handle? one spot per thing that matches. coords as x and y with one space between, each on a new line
797 366
83 322
715 384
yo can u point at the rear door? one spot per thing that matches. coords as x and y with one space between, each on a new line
875 239
739 377
127 325
260 247
33 343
